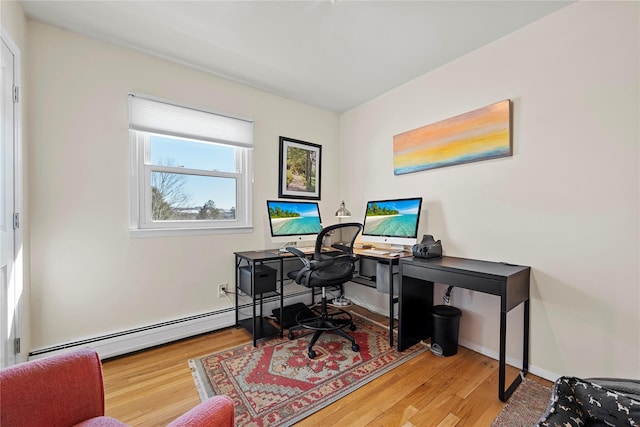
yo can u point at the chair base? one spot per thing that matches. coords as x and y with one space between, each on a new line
326 321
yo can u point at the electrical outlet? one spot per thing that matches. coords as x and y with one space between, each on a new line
221 290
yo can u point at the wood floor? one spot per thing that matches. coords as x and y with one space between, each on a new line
153 387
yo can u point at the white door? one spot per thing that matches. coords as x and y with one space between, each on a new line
10 277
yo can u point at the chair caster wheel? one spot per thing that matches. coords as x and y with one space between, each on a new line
352 327
290 335
355 347
311 354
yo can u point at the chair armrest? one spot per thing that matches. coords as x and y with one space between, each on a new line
297 252
216 411
59 390
301 255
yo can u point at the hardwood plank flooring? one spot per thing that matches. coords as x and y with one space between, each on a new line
153 387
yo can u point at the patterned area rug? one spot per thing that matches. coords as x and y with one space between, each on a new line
276 384
525 406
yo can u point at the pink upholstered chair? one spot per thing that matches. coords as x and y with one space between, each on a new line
67 390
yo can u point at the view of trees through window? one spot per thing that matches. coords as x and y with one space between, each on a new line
193 187
171 199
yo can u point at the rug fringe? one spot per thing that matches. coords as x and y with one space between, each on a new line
197 372
525 406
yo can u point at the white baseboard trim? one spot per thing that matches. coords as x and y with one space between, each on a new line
129 341
535 370
542 373
124 342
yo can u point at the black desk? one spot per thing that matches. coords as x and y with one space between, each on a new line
509 282
261 327
257 324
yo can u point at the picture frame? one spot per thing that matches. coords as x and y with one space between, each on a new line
299 169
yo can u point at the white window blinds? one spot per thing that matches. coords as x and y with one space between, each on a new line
155 116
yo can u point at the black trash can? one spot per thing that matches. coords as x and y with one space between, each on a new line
444 335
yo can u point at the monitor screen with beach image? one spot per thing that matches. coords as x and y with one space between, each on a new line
293 221
392 221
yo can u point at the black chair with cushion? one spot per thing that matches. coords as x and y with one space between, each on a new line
594 402
327 269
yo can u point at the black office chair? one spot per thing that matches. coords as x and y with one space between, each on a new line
327 270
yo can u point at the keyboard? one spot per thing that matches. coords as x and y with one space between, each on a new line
303 249
376 251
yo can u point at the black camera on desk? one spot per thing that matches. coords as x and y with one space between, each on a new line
427 248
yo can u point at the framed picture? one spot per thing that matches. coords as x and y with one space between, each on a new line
299 176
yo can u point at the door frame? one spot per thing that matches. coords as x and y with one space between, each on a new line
16 280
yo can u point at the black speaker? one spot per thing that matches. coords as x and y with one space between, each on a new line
264 279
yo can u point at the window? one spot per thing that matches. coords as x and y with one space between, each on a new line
190 169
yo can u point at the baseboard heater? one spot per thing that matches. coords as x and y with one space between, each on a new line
136 339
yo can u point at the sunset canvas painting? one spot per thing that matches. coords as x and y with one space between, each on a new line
481 134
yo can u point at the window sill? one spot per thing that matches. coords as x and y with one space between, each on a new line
136 233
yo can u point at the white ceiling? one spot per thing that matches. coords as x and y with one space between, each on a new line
334 55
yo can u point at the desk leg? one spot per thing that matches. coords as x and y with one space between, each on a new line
391 311
238 262
503 393
253 301
525 344
281 298
414 311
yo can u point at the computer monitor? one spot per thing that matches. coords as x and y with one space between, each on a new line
392 221
294 222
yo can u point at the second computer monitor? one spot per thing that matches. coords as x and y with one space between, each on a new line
393 221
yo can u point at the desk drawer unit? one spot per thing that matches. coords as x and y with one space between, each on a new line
467 281
264 279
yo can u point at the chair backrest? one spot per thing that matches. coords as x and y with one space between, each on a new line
343 237
57 391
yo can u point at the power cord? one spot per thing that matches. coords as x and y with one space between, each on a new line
447 296
341 301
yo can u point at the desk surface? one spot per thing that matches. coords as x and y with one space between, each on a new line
267 254
477 267
263 254
363 253
496 278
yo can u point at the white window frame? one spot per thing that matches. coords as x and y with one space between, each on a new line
141 223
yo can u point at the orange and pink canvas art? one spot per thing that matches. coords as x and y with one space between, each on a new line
481 134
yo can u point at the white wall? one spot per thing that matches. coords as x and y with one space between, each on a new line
88 276
566 203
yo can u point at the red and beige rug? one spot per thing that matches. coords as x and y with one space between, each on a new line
276 384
